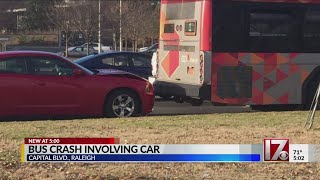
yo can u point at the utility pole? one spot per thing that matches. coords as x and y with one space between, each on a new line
120 36
59 38
99 33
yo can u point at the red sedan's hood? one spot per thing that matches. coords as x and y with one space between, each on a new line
110 71
106 72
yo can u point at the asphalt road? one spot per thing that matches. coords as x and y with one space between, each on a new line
173 108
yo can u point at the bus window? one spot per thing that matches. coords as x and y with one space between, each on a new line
269 24
180 11
270 31
229 30
190 28
311 35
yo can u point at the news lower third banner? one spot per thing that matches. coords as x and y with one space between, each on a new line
108 150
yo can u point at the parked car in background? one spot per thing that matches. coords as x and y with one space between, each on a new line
142 49
150 50
78 52
136 63
44 84
95 45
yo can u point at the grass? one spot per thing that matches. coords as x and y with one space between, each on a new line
249 128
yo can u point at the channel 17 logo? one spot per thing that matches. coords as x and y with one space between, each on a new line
276 149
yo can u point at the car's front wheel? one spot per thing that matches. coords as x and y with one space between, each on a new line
122 103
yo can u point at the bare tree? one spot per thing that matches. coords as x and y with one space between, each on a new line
86 22
61 17
9 5
111 16
155 24
139 20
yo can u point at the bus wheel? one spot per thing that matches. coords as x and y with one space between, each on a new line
178 99
196 102
166 97
311 91
218 104
257 107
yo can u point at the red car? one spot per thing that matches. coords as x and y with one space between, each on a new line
44 84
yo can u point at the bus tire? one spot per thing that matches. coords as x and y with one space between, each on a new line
311 91
178 99
166 97
196 102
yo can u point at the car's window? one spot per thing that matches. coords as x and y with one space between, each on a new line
49 66
15 65
78 49
108 61
139 61
152 50
84 59
154 47
116 60
121 60
93 63
85 69
85 49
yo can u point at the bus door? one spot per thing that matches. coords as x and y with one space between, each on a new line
179 49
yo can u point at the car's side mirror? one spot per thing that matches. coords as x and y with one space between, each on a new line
77 72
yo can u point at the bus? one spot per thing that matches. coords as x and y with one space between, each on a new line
239 52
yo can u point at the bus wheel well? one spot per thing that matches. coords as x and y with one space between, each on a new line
309 87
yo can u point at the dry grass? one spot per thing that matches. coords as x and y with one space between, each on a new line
196 129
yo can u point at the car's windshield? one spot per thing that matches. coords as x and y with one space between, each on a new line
79 61
85 69
83 59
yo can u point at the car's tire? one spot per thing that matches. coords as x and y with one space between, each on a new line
122 103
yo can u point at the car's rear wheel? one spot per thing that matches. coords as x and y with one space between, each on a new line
122 103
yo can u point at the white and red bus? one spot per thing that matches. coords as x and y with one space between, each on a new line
239 52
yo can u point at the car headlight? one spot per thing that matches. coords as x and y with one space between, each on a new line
149 88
